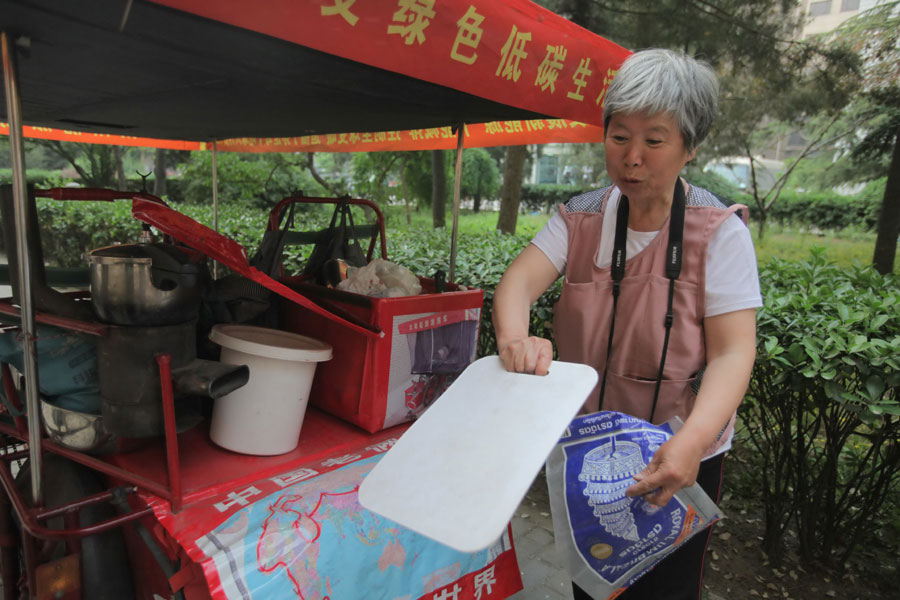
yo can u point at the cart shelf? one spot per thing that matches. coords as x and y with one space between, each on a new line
207 469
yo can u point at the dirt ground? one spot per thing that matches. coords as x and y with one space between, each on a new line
737 568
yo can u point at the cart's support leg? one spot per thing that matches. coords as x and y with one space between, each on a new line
457 182
30 559
173 462
215 198
20 198
9 550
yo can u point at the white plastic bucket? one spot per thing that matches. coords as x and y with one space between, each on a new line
264 417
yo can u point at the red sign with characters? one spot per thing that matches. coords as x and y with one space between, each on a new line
513 52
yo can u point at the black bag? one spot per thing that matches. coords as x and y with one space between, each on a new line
338 242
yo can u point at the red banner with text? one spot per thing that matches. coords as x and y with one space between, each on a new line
510 51
64 135
479 135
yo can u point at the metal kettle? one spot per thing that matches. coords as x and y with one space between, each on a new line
146 284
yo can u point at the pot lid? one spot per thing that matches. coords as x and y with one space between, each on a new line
165 257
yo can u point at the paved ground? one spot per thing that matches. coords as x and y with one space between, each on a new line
543 573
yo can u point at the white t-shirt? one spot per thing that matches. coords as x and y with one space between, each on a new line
732 280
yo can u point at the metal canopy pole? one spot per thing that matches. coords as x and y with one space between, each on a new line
457 181
20 200
215 195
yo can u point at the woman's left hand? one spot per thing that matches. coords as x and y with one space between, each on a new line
673 466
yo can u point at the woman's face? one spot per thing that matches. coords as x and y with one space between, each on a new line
644 155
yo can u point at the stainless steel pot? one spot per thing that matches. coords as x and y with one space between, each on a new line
145 284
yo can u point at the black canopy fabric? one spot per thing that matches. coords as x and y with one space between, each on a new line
82 65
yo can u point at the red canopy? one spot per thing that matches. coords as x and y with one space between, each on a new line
510 51
334 75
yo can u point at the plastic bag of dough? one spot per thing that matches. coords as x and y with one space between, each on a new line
382 279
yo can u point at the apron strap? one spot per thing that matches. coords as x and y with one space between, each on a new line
673 271
617 271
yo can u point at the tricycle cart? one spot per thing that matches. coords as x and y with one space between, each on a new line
178 516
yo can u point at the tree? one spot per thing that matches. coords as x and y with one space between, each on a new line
160 177
511 193
258 180
438 188
766 73
97 165
480 176
889 217
875 35
374 173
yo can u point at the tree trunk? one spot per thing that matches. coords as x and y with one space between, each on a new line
438 188
476 202
889 217
760 225
511 194
119 166
159 173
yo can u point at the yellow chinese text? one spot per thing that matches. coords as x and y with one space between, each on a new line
342 8
607 79
548 71
411 20
468 36
580 79
512 53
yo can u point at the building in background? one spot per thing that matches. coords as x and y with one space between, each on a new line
826 15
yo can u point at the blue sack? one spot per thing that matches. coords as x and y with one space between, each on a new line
610 540
67 366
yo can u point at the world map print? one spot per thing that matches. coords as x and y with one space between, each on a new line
313 541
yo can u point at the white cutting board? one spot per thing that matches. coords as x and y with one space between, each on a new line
459 472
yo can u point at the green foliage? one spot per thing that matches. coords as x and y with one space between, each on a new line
848 248
378 176
827 210
713 182
480 174
254 180
481 260
822 410
42 178
71 229
546 196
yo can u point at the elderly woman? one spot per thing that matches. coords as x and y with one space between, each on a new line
660 291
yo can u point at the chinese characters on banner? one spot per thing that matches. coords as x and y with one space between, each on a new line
510 51
497 133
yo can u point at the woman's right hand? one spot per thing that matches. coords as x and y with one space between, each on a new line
527 355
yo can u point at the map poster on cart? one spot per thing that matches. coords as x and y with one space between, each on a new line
304 535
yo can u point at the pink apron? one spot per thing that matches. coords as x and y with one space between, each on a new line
582 316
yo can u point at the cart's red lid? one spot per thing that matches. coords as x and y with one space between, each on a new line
229 253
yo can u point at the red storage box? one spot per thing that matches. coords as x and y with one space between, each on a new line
379 382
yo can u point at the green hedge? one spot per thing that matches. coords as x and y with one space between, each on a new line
545 196
822 412
827 210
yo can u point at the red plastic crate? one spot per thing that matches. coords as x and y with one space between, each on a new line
376 383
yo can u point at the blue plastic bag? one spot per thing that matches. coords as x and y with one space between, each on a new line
67 366
610 540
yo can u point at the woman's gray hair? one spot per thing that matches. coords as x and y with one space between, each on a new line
664 81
